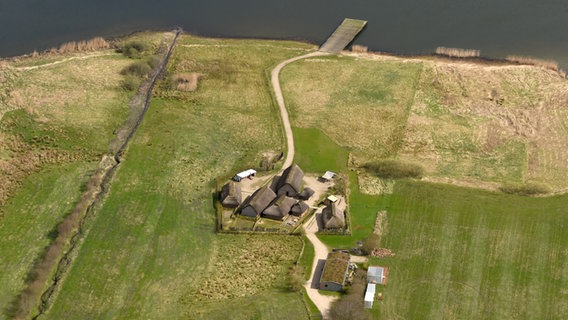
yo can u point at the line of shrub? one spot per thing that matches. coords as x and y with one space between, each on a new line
394 169
525 189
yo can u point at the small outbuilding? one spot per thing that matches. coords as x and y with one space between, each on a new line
231 195
370 295
257 202
279 208
299 208
244 174
328 175
335 271
333 217
375 274
290 182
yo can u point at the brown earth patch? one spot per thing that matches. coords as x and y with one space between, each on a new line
185 81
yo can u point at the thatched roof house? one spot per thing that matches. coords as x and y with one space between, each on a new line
306 194
231 195
299 208
335 271
259 201
279 208
333 217
290 182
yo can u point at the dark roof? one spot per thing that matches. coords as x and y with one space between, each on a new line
260 199
231 194
335 267
293 176
280 207
299 208
333 217
306 193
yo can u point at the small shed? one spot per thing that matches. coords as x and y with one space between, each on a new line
370 295
290 182
375 274
231 195
335 271
306 194
257 202
279 208
328 175
333 217
244 174
299 208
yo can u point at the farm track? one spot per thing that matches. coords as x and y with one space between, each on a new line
104 177
322 302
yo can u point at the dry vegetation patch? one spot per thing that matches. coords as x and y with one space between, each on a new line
185 81
490 123
246 265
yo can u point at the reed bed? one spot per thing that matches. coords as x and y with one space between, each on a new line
546 64
458 52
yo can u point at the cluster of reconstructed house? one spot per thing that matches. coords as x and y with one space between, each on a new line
283 198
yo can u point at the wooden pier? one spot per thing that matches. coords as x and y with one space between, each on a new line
343 35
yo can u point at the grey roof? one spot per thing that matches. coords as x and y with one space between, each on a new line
306 193
375 272
293 176
231 194
333 217
279 208
260 199
299 208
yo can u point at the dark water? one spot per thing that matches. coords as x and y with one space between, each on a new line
496 27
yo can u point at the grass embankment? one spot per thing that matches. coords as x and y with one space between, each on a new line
469 254
463 123
152 250
56 122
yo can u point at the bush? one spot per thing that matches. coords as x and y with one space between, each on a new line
525 189
130 83
139 68
133 49
370 243
395 169
351 305
297 275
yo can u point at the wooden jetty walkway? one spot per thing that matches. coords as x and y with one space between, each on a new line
343 35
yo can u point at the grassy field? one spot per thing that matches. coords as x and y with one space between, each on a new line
315 152
152 251
467 254
474 124
30 218
55 123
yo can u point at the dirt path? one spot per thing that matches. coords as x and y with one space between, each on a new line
282 106
321 301
93 55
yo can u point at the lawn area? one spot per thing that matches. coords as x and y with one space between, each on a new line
468 254
152 251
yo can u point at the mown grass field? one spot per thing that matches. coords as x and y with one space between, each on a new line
55 123
152 251
475 124
468 254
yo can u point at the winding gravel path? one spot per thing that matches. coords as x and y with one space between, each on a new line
322 302
280 100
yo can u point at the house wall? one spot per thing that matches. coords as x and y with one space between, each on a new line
249 212
287 190
331 286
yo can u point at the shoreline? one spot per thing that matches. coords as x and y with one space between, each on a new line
479 60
